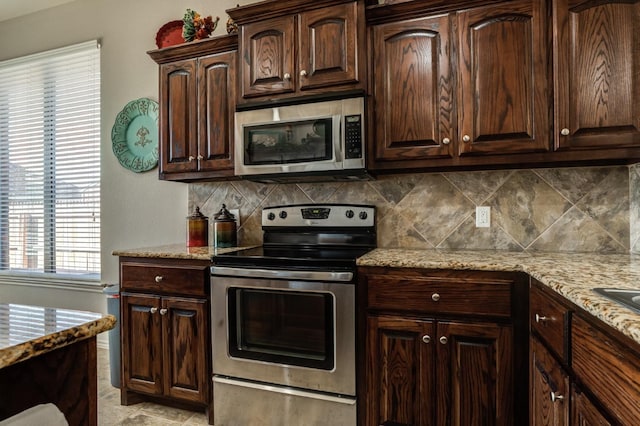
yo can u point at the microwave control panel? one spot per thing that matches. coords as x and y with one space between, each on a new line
353 136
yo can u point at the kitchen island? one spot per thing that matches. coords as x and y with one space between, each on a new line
48 355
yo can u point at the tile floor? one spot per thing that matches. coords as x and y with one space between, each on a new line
111 413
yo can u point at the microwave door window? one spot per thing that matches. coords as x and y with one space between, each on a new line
288 142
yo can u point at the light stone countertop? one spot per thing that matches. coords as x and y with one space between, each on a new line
28 331
572 275
177 251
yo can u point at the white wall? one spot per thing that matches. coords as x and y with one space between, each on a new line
138 210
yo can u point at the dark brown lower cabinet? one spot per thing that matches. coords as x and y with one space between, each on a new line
439 358
584 412
165 333
439 373
549 388
164 350
582 372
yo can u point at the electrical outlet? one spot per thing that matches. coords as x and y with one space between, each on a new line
483 216
236 214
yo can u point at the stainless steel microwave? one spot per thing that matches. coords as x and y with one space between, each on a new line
311 139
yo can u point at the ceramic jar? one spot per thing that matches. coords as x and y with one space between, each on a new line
224 228
197 229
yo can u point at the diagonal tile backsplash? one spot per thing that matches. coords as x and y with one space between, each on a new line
571 209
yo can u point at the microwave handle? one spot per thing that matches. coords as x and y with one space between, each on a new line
339 145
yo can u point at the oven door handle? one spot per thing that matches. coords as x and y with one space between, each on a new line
282 274
286 390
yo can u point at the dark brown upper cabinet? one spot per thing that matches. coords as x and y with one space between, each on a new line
597 74
413 86
197 105
460 83
312 49
503 96
492 84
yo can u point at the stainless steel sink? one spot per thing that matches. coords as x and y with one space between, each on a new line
624 296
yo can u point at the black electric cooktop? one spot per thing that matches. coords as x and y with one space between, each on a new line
292 257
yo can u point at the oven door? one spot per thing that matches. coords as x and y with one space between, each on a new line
285 332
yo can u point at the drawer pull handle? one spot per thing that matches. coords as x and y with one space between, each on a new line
556 397
153 310
435 297
466 138
540 318
446 141
163 311
426 338
159 278
444 340
565 132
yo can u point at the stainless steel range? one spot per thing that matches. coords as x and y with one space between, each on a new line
283 316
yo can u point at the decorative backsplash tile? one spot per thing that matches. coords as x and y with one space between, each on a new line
634 207
571 209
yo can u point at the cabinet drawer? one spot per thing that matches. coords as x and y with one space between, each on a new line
175 279
608 368
439 295
549 319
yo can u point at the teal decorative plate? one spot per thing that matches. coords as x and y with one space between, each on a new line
134 135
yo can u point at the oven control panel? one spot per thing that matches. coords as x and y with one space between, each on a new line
321 215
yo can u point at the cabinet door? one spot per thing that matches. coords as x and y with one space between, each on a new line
267 62
185 338
178 117
597 73
141 343
583 412
216 106
399 368
503 79
413 90
547 378
474 365
328 50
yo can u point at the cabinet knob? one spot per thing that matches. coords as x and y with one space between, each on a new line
466 138
287 76
556 397
435 297
303 73
446 141
444 340
159 278
426 338
200 157
153 310
163 311
540 318
191 158
565 132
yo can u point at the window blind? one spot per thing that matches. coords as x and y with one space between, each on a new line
50 162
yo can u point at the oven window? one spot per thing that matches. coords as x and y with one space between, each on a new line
286 327
288 142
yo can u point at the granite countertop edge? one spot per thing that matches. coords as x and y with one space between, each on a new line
177 251
571 275
49 342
